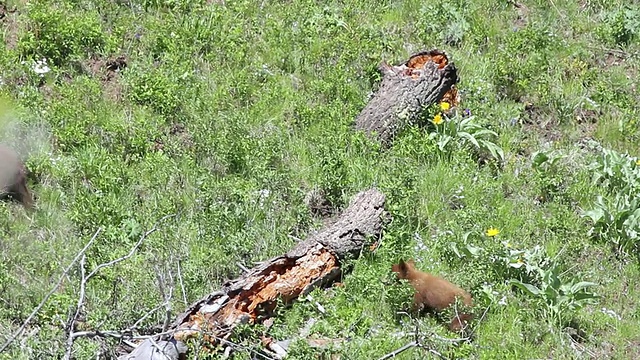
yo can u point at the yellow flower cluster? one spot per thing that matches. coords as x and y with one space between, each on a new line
444 106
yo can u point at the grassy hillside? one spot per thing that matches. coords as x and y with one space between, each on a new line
227 113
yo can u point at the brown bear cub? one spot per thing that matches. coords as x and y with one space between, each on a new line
434 293
13 178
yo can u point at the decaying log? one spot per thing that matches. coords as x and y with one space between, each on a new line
405 92
252 298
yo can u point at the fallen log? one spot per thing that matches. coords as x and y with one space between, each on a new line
253 297
405 92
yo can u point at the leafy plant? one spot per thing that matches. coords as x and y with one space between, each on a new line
620 27
546 166
537 275
467 131
617 219
446 20
560 298
60 34
508 262
616 172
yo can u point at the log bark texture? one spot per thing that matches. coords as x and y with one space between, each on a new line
252 298
405 92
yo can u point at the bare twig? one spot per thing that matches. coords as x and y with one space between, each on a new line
167 305
296 239
484 313
242 267
400 350
448 340
184 293
71 323
86 277
165 297
117 334
53 290
133 249
139 321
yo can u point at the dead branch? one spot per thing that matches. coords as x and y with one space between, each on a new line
35 311
85 279
417 342
166 297
149 313
399 350
80 304
133 249
405 92
184 293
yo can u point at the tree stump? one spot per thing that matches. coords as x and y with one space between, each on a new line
252 298
405 92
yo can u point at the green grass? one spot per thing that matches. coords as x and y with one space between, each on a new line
228 113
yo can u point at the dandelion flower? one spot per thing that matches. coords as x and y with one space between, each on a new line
492 232
437 119
638 162
445 106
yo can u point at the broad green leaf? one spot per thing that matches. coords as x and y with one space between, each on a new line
581 286
528 288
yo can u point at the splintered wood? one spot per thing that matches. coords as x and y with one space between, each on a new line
426 78
285 279
415 66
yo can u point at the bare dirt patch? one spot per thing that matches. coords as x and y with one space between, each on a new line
539 120
522 18
9 20
175 132
108 71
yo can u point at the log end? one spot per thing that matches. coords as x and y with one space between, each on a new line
417 65
427 77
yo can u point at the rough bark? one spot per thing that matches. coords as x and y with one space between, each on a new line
405 92
252 298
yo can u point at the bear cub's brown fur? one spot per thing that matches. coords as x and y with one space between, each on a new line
13 178
434 293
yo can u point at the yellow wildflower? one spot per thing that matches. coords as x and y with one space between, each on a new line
492 232
638 162
437 119
445 106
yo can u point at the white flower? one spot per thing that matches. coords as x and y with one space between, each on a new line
611 313
262 195
40 67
